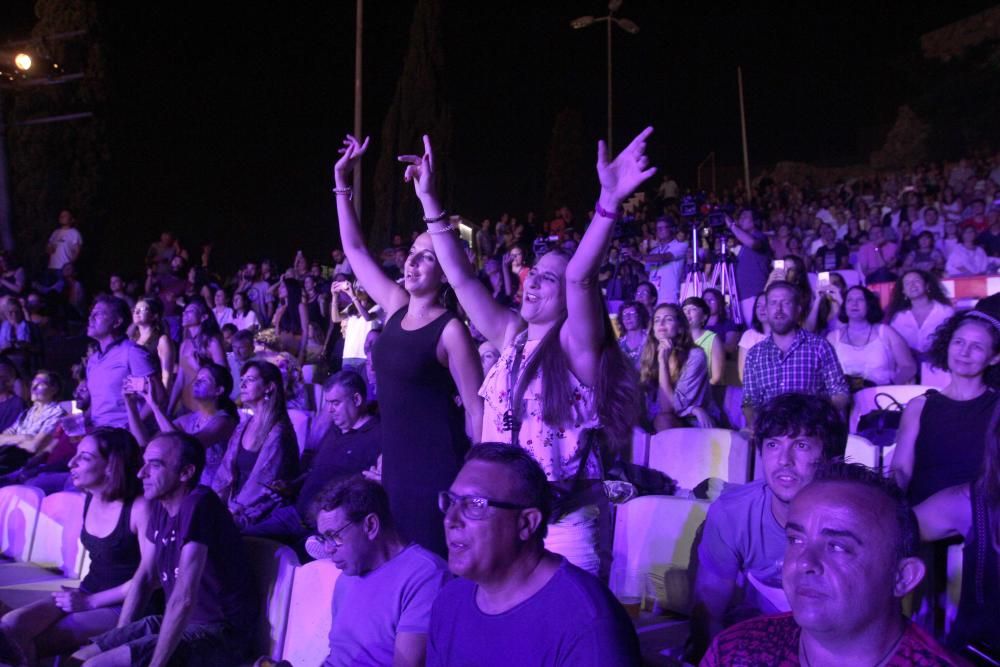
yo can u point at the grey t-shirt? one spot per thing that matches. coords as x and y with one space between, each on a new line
371 609
742 536
105 372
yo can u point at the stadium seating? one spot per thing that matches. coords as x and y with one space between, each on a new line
274 569
307 635
691 455
864 400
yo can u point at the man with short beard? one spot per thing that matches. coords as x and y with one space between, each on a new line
790 359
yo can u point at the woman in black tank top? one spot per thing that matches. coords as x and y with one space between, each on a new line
114 517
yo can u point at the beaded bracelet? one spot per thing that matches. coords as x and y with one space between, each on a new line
442 230
341 192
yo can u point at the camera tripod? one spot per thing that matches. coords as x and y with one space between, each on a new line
722 277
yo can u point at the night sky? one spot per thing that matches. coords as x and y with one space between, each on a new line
231 121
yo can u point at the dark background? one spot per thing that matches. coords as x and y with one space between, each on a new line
223 119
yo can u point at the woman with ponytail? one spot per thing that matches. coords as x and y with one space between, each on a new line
562 388
424 359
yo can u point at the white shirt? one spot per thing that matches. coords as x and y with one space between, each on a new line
67 242
918 337
965 262
667 277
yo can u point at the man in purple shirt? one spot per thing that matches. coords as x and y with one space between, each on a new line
516 603
116 359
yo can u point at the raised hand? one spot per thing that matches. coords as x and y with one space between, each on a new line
350 156
620 177
420 170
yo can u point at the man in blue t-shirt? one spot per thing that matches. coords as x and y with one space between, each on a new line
516 603
382 602
742 546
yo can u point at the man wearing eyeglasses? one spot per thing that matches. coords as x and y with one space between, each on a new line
516 603
382 603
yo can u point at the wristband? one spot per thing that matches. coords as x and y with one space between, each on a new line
599 210
442 230
440 217
344 192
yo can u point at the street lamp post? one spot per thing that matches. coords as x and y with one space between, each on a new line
628 26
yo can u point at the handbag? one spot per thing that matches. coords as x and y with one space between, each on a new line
881 424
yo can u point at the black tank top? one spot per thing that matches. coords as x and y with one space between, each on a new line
950 444
113 559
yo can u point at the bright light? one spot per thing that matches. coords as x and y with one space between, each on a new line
23 61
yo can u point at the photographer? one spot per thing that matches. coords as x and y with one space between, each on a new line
753 262
666 260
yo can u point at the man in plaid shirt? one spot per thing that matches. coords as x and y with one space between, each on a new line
790 359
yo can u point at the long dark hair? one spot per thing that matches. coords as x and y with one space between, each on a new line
649 367
987 485
156 328
209 328
900 302
224 380
615 394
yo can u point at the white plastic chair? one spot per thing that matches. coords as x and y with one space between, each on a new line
57 538
300 423
691 455
274 569
640 446
310 614
652 544
19 508
864 400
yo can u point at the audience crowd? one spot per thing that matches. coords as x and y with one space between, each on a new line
441 418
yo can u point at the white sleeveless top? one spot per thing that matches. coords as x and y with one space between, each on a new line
873 360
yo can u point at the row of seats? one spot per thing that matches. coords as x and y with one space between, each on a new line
40 535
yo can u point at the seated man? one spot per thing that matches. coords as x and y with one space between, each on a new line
850 561
198 559
392 581
516 603
743 539
350 448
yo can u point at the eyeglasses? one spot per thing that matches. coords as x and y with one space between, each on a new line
333 539
474 508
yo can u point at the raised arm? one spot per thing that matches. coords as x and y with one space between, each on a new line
583 333
382 289
493 320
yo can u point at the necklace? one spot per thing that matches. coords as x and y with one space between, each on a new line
804 654
868 339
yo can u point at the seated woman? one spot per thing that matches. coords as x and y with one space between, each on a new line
202 341
28 439
212 421
105 467
759 330
871 353
971 511
917 308
244 316
261 450
674 374
925 256
942 434
967 259
221 310
634 320
696 311
719 321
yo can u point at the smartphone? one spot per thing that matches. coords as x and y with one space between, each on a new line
823 279
779 265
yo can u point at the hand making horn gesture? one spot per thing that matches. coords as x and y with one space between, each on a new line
420 171
350 156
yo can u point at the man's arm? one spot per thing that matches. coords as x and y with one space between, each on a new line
142 584
410 649
181 603
711 598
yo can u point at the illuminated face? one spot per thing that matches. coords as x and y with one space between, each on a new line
855 305
488 356
790 463
840 569
102 321
971 350
665 324
43 389
204 387
343 406
421 272
782 310
161 473
695 316
914 286
545 290
88 469
630 319
142 313
252 386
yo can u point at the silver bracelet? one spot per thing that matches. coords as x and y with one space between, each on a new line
442 230
341 192
437 218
